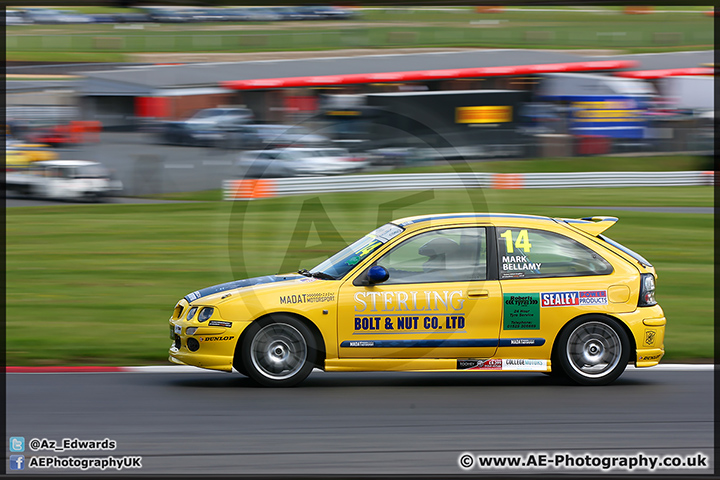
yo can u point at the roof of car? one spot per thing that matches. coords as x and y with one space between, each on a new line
66 163
591 225
314 149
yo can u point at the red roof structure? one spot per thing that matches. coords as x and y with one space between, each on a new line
668 72
419 75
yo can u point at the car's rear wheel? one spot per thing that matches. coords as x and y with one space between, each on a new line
278 351
593 350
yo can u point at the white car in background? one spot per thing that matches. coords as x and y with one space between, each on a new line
64 179
54 17
15 17
291 162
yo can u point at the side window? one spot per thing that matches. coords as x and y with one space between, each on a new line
450 255
528 253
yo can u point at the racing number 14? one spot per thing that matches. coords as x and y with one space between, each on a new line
521 243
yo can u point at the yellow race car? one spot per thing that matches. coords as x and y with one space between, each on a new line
22 155
449 292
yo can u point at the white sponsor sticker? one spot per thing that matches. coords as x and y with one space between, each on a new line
524 364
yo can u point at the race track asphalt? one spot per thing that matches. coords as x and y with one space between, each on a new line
362 423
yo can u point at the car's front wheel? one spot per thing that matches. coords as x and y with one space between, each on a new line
278 351
593 350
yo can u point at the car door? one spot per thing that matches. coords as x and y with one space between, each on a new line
548 279
440 300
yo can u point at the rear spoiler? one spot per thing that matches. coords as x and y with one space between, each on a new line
591 225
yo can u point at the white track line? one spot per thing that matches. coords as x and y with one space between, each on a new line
677 367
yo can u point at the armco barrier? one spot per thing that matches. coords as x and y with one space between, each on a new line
248 189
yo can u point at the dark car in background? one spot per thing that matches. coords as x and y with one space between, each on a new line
120 17
202 128
168 15
329 12
132 17
206 14
15 17
211 116
233 14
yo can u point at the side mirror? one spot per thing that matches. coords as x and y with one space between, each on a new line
377 274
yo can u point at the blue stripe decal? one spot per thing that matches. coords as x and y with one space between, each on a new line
248 282
473 342
476 215
423 332
447 343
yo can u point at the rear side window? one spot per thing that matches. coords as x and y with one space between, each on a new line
529 253
636 256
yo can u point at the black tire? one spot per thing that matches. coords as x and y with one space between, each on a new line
278 351
593 350
238 365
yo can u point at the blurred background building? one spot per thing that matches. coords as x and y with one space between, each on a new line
388 108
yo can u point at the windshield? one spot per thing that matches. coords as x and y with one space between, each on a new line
91 171
345 260
297 131
211 112
336 152
273 129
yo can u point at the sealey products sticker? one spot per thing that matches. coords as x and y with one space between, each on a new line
569 299
521 311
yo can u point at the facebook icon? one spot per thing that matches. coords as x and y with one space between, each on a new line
17 462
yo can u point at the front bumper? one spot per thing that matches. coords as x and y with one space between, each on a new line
209 347
211 362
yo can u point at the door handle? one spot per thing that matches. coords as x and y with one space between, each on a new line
478 292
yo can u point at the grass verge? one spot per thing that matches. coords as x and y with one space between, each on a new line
609 163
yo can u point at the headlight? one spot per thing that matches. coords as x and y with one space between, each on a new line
205 313
191 313
647 290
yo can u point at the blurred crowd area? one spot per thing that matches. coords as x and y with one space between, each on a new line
143 31
177 14
149 119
